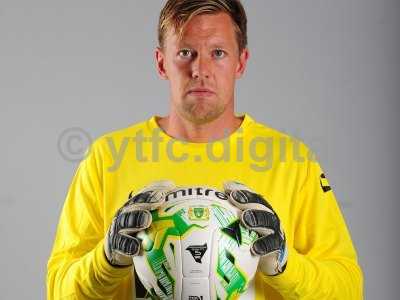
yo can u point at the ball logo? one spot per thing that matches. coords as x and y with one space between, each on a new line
200 191
199 213
197 252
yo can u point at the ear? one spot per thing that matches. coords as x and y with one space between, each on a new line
243 58
160 63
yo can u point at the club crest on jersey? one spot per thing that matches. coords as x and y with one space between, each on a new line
199 213
197 252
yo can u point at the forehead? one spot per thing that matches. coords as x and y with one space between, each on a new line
213 29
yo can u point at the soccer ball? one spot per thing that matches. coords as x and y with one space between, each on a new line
196 249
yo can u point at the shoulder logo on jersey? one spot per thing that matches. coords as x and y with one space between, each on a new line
197 252
324 183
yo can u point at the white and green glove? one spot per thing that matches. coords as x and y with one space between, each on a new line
258 215
121 243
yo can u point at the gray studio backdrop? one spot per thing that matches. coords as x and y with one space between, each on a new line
326 72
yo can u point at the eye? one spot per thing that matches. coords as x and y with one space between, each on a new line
219 53
185 53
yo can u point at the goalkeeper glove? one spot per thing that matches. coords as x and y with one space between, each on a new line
258 215
121 242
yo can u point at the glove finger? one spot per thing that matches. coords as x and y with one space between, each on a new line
151 197
126 245
133 221
261 221
243 197
266 245
149 200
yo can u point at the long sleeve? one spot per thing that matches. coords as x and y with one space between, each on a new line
322 262
77 267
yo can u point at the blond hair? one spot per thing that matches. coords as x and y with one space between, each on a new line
177 13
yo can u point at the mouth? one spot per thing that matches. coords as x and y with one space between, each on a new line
201 92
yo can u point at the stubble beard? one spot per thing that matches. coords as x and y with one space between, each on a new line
201 111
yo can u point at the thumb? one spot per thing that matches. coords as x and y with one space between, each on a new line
242 196
159 185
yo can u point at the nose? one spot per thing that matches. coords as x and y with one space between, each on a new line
201 67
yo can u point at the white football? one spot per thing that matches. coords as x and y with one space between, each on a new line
196 249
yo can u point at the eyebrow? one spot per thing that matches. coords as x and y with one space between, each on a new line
212 45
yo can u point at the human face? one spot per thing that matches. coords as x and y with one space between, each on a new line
202 68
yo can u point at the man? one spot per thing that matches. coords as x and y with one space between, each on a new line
305 248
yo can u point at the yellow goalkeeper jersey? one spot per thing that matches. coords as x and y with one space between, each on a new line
322 262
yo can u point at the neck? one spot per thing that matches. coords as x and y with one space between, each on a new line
182 129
